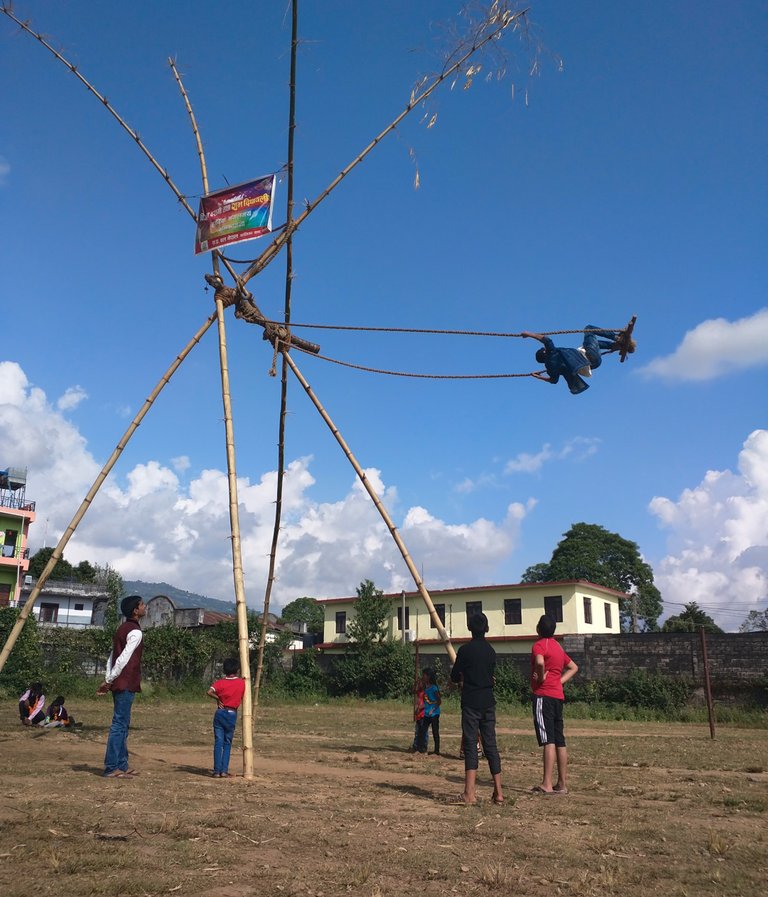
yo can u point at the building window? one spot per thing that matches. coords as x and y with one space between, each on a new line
49 613
5 594
440 608
341 622
400 618
473 607
79 607
608 618
553 605
587 609
9 546
513 611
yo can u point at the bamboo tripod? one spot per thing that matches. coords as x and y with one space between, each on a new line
498 18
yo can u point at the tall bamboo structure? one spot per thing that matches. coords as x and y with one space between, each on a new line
498 18
243 638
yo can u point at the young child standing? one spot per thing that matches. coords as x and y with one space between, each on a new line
431 709
228 694
418 716
551 668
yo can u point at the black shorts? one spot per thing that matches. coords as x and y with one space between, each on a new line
548 721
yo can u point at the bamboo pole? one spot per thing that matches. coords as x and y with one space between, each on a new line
284 366
58 551
379 507
237 558
234 513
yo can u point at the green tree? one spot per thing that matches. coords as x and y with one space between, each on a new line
372 610
591 552
373 665
536 573
691 619
112 581
756 621
38 561
85 572
304 610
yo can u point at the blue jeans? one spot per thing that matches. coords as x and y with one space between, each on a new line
116 756
592 345
224 723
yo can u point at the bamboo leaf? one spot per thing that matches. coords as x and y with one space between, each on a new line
432 121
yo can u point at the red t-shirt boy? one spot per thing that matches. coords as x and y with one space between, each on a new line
551 668
228 694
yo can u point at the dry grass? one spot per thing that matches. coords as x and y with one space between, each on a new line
339 807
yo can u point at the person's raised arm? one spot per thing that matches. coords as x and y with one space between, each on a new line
538 336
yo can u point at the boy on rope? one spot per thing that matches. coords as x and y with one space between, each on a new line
573 364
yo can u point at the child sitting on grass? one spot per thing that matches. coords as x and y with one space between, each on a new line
32 705
56 715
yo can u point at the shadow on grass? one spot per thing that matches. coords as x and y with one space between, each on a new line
86 767
194 770
413 790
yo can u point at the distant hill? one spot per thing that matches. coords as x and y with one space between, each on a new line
180 597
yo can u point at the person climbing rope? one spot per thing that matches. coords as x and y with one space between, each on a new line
575 364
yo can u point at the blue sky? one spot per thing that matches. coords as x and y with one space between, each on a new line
631 179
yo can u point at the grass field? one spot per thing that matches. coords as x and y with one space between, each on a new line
338 806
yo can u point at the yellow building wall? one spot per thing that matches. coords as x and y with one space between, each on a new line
492 599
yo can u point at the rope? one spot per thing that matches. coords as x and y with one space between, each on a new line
361 367
433 331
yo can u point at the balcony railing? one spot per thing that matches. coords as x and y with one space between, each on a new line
10 551
9 499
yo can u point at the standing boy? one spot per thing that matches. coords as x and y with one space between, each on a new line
431 709
551 668
420 738
123 679
228 694
475 666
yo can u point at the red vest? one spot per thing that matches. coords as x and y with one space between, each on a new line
130 676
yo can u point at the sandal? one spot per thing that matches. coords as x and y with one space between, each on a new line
458 799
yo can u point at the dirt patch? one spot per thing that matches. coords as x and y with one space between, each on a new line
338 806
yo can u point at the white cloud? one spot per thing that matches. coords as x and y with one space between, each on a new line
577 449
719 539
715 348
181 464
5 170
149 525
72 397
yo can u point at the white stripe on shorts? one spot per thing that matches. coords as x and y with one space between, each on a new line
539 720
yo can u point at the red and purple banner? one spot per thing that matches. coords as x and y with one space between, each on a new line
235 214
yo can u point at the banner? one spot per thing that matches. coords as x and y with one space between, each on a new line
235 214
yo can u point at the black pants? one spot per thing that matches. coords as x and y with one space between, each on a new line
424 724
484 722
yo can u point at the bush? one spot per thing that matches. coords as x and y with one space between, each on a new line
373 671
511 686
304 679
25 662
640 690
